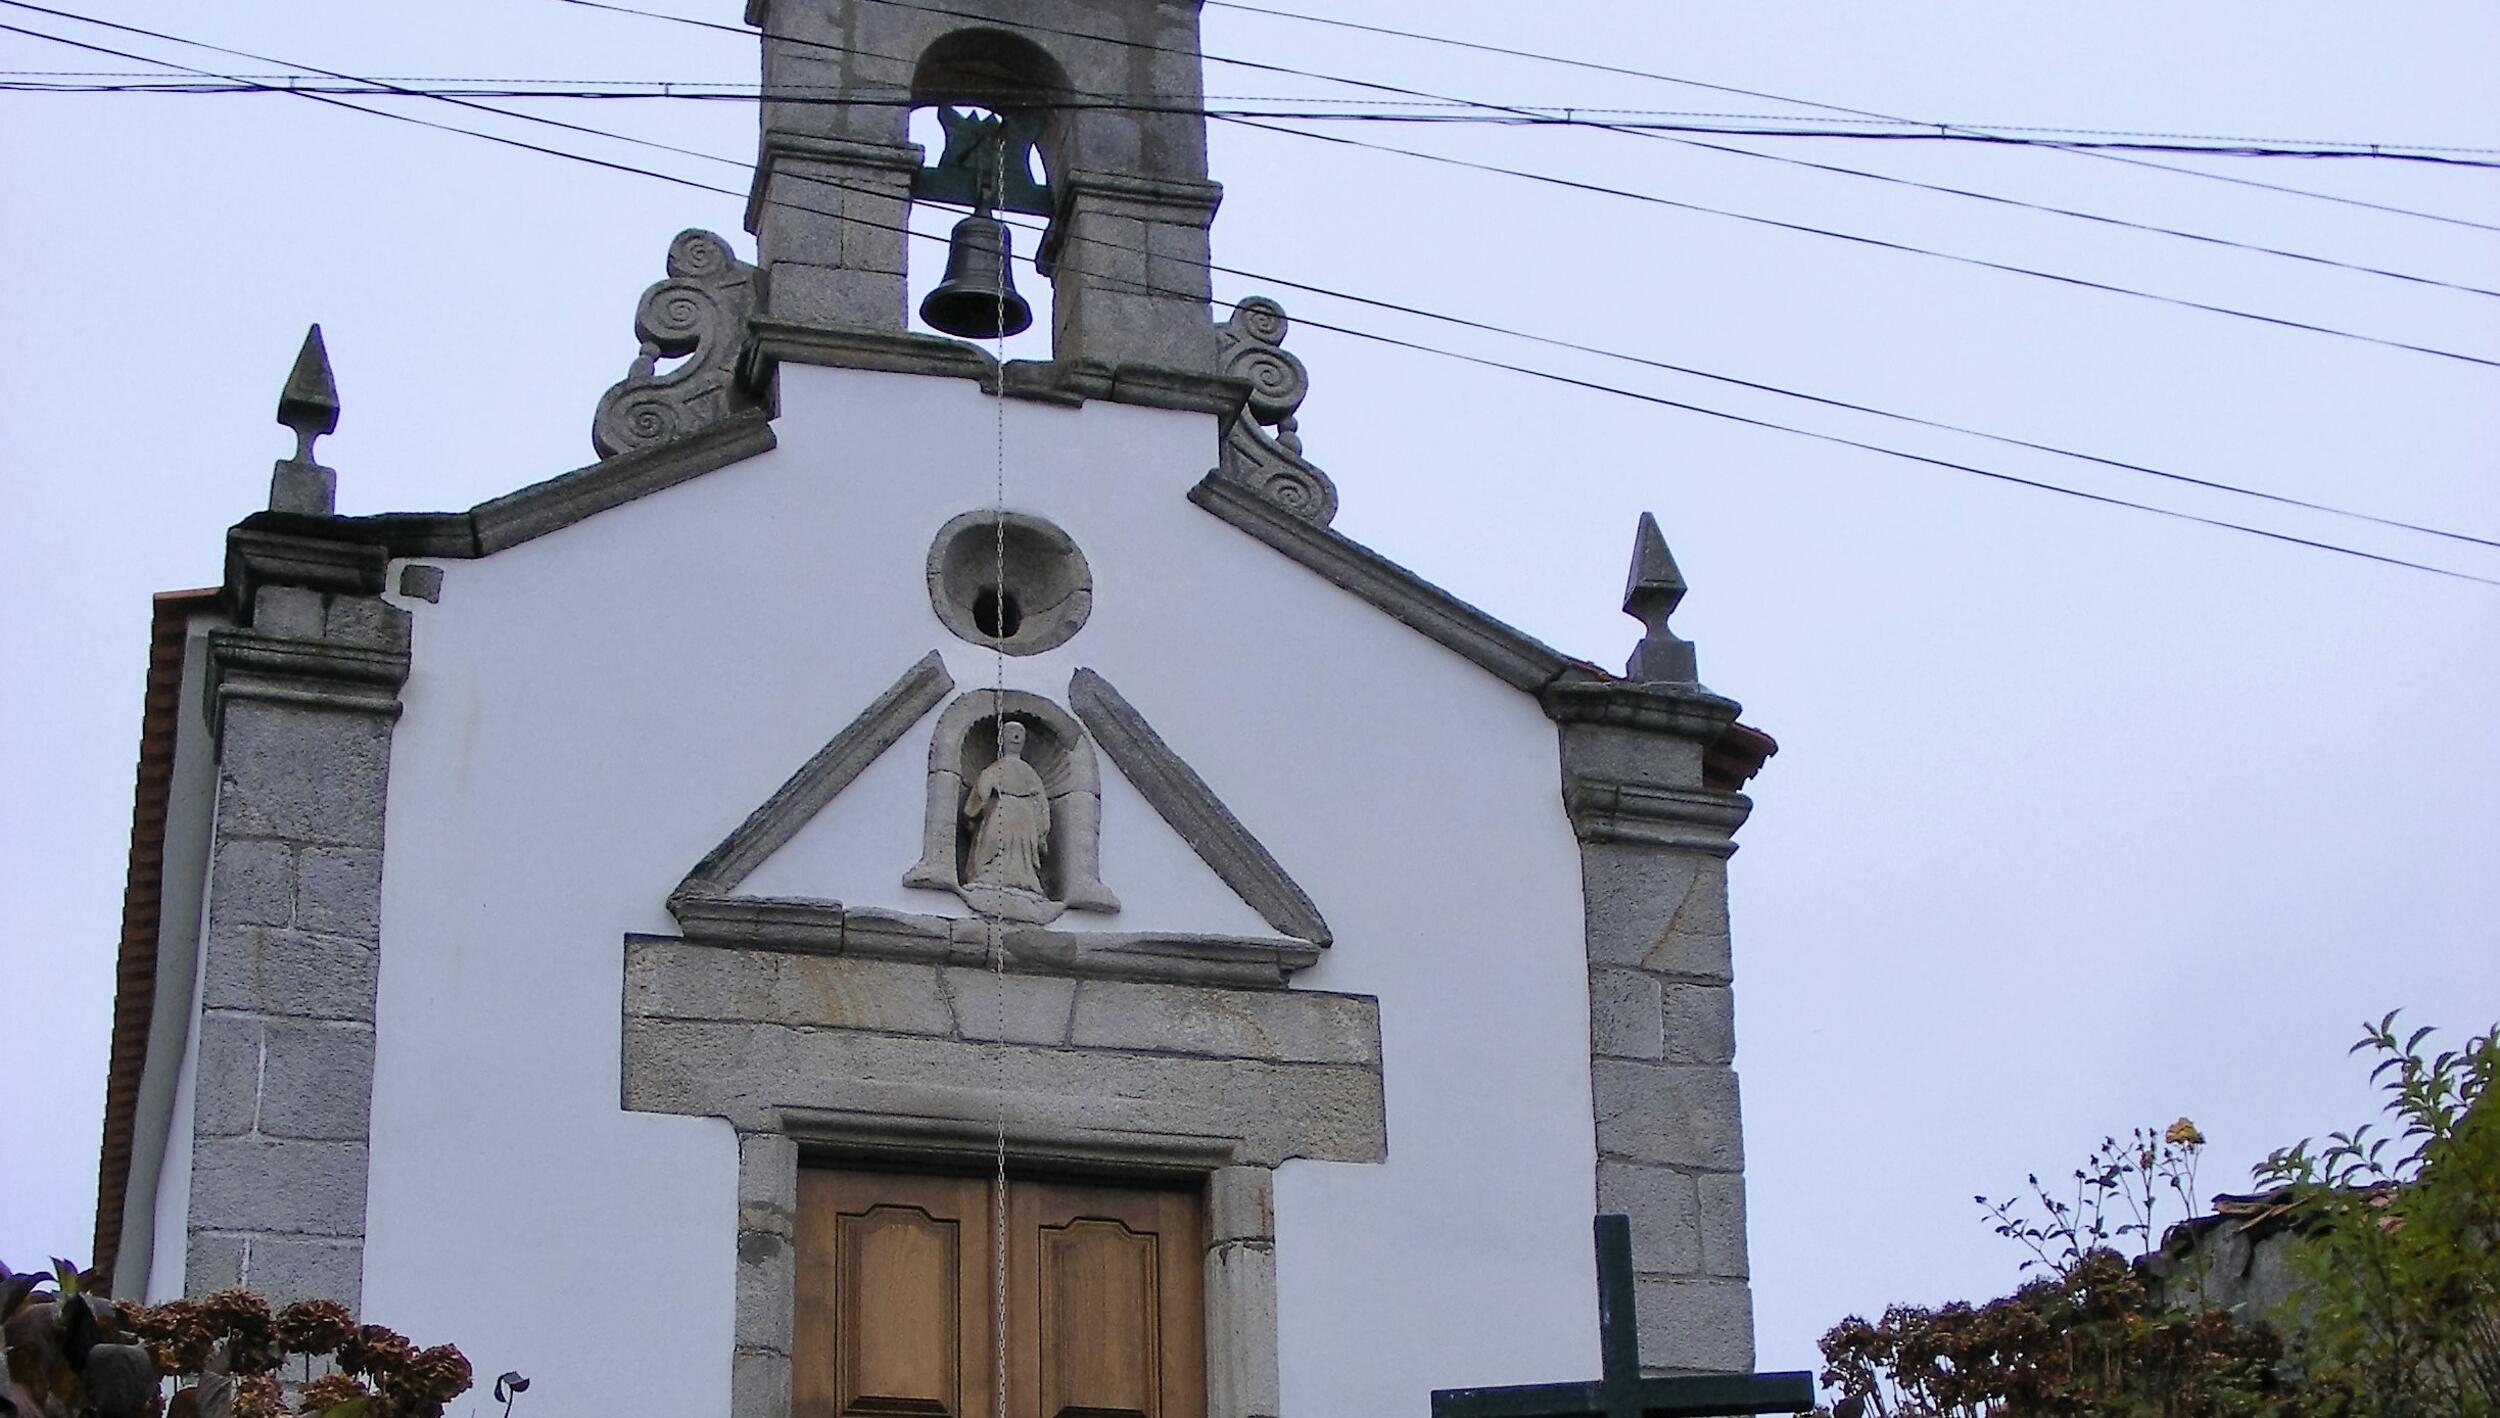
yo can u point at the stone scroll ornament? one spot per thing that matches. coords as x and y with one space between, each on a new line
699 312
1252 346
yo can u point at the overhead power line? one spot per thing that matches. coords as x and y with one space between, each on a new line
1879 243
2074 282
1410 112
1557 343
1392 341
1951 129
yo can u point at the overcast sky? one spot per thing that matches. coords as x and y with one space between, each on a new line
2083 818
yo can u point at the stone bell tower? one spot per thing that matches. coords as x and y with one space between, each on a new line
1114 90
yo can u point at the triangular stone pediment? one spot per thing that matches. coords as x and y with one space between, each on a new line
868 848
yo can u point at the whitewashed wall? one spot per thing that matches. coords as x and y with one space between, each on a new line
589 713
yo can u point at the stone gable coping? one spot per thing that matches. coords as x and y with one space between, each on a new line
825 774
561 501
1513 656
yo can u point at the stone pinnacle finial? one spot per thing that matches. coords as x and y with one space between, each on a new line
309 405
1650 595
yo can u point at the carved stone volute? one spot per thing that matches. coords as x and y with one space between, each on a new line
1253 348
699 312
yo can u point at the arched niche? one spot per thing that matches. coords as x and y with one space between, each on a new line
965 742
1008 75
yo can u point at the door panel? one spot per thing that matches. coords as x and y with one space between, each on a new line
1099 1306
893 1294
1105 1316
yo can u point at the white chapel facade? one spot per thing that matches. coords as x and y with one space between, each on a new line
631 927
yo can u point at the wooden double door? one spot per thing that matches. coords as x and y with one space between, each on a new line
897 1274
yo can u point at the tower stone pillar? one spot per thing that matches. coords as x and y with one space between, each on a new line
1644 786
302 695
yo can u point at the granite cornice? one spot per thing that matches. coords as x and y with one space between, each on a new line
1163 194
1624 811
293 549
780 145
317 673
1068 383
1684 711
534 511
809 926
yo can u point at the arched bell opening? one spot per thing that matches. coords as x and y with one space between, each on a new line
990 108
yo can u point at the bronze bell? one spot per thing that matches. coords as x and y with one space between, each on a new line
978 300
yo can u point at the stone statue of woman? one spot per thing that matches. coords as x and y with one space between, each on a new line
1009 808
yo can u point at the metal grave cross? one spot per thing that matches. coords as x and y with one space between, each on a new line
1623 1393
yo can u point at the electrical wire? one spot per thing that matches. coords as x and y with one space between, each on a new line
2075 282
1951 130
1879 243
1645 361
1413 112
1371 336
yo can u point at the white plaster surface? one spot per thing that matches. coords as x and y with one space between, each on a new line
160 1163
591 712
169 1249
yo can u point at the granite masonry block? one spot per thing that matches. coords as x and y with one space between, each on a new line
1019 1009
1678 1115
1695 1326
1298 1026
1241 1205
313 776
285 1269
766 1285
768 1183
212 1261
263 970
1625 1019
253 884
288 610
368 621
316 1080
1700 1023
1622 755
669 979
1665 1210
747 1072
338 891
759 1384
1241 1331
1656 910
268 1184
830 295
1723 1250
228 1072
421 582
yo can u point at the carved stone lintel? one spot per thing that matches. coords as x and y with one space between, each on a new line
1252 347
699 312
